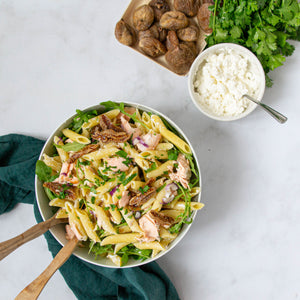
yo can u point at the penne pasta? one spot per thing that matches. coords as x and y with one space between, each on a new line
121 238
114 197
161 169
53 162
159 126
79 138
150 245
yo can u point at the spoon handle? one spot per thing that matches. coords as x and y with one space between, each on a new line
274 113
10 245
33 290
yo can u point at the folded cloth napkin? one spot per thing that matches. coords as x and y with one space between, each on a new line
18 156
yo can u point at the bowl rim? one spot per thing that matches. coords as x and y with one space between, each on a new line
193 71
63 241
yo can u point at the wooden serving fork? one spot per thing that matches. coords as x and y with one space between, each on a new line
9 246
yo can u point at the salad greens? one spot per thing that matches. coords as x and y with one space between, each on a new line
45 174
71 146
129 251
260 25
82 117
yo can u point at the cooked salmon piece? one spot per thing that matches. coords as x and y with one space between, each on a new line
66 176
124 200
183 171
150 228
133 132
129 110
117 162
148 141
69 232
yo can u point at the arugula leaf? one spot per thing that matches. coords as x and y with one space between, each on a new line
131 251
80 118
71 146
43 172
99 250
185 217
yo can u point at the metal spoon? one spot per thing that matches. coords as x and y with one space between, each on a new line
275 114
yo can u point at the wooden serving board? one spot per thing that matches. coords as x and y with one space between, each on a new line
127 17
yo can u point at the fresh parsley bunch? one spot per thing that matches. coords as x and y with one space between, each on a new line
263 26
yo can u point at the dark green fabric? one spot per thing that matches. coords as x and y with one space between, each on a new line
18 155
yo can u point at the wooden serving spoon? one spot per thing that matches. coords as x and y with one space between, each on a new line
33 290
10 245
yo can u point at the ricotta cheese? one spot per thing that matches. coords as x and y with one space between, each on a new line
222 79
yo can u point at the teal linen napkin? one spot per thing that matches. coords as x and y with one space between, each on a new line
18 156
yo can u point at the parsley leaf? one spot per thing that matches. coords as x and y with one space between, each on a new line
173 154
127 180
262 26
144 189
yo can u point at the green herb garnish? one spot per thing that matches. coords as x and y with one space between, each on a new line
152 167
173 154
144 189
262 26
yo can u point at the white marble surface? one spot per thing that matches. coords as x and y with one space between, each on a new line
56 56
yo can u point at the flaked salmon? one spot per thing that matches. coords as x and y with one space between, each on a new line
183 171
117 163
133 132
146 142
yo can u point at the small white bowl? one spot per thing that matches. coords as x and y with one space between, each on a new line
197 65
59 230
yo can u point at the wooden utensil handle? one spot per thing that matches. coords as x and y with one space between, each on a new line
32 291
10 245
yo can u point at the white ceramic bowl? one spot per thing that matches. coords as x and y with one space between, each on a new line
198 63
59 230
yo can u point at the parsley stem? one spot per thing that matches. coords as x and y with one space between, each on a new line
214 17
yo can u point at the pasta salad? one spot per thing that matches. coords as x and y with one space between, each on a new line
125 180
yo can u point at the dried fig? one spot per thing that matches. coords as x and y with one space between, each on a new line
172 41
143 17
152 47
188 34
159 8
151 32
174 20
180 58
188 7
162 33
124 33
192 46
203 17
